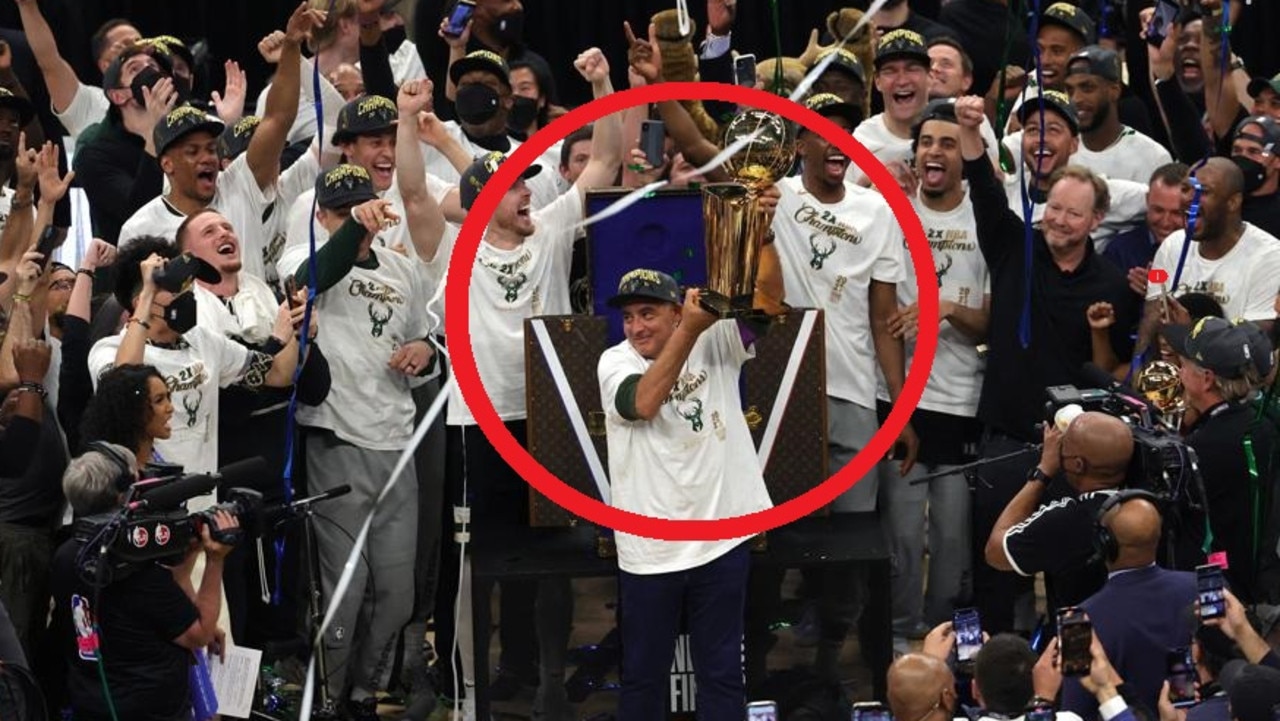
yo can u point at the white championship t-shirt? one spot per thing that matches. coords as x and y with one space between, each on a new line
249 314
203 362
955 378
1133 156
365 318
830 254
238 199
88 106
887 147
694 461
508 286
1244 281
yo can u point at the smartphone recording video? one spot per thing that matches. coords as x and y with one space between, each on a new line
1210 584
1181 674
1075 636
968 628
871 711
458 18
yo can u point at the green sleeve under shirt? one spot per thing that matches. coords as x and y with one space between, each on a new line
335 258
625 401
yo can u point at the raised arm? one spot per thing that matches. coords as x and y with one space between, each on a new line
426 224
646 61
58 75
606 139
995 221
263 153
655 384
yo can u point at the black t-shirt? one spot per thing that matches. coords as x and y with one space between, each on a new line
1218 440
33 496
1263 211
1013 399
137 617
1057 540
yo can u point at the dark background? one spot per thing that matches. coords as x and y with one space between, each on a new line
558 29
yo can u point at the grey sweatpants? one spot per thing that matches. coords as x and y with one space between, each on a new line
379 601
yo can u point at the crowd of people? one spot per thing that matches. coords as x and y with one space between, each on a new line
1103 220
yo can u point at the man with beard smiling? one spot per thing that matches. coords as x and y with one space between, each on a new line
902 76
946 418
1037 340
1057 125
186 144
1232 260
841 250
1107 147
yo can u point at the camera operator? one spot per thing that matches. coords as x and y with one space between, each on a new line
1222 365
140 627
1055 537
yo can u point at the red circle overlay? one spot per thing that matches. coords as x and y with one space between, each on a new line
468 377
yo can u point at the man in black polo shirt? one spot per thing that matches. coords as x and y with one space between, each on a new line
1039 334
1222 366
1055 537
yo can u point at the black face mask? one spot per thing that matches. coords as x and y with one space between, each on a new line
1254 174
523 113
146 78
180 315
510 27
476 104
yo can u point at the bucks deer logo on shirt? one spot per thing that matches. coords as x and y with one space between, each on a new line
691 410
510 276
941 270
379 315
822 249
191 404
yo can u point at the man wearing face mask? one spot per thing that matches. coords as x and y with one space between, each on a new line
186 142
195 361
115 160
484 105
1254 148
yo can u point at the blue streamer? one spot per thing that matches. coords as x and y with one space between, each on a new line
290 423
1028 208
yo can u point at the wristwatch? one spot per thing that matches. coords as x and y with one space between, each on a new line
1035 474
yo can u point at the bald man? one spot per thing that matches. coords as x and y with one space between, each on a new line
1235 262
1141 611
1055 538
921 688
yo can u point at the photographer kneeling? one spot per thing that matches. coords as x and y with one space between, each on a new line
1055 537
135 635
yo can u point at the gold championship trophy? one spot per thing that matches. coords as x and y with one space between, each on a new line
1160 383
736 226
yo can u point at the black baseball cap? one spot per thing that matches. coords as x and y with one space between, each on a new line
485 60
1269 139
1055 101
480 171
170 46
181 122
111 76
829 105
23 107
1260 348
235 138
343 187
1072 18
846 61
1216 344
901 43
365 115
1257 85
644 284
1095 60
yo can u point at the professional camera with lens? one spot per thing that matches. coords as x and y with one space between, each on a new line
154 524
1162 463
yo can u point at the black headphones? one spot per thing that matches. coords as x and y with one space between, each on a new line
1104 542
124 474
